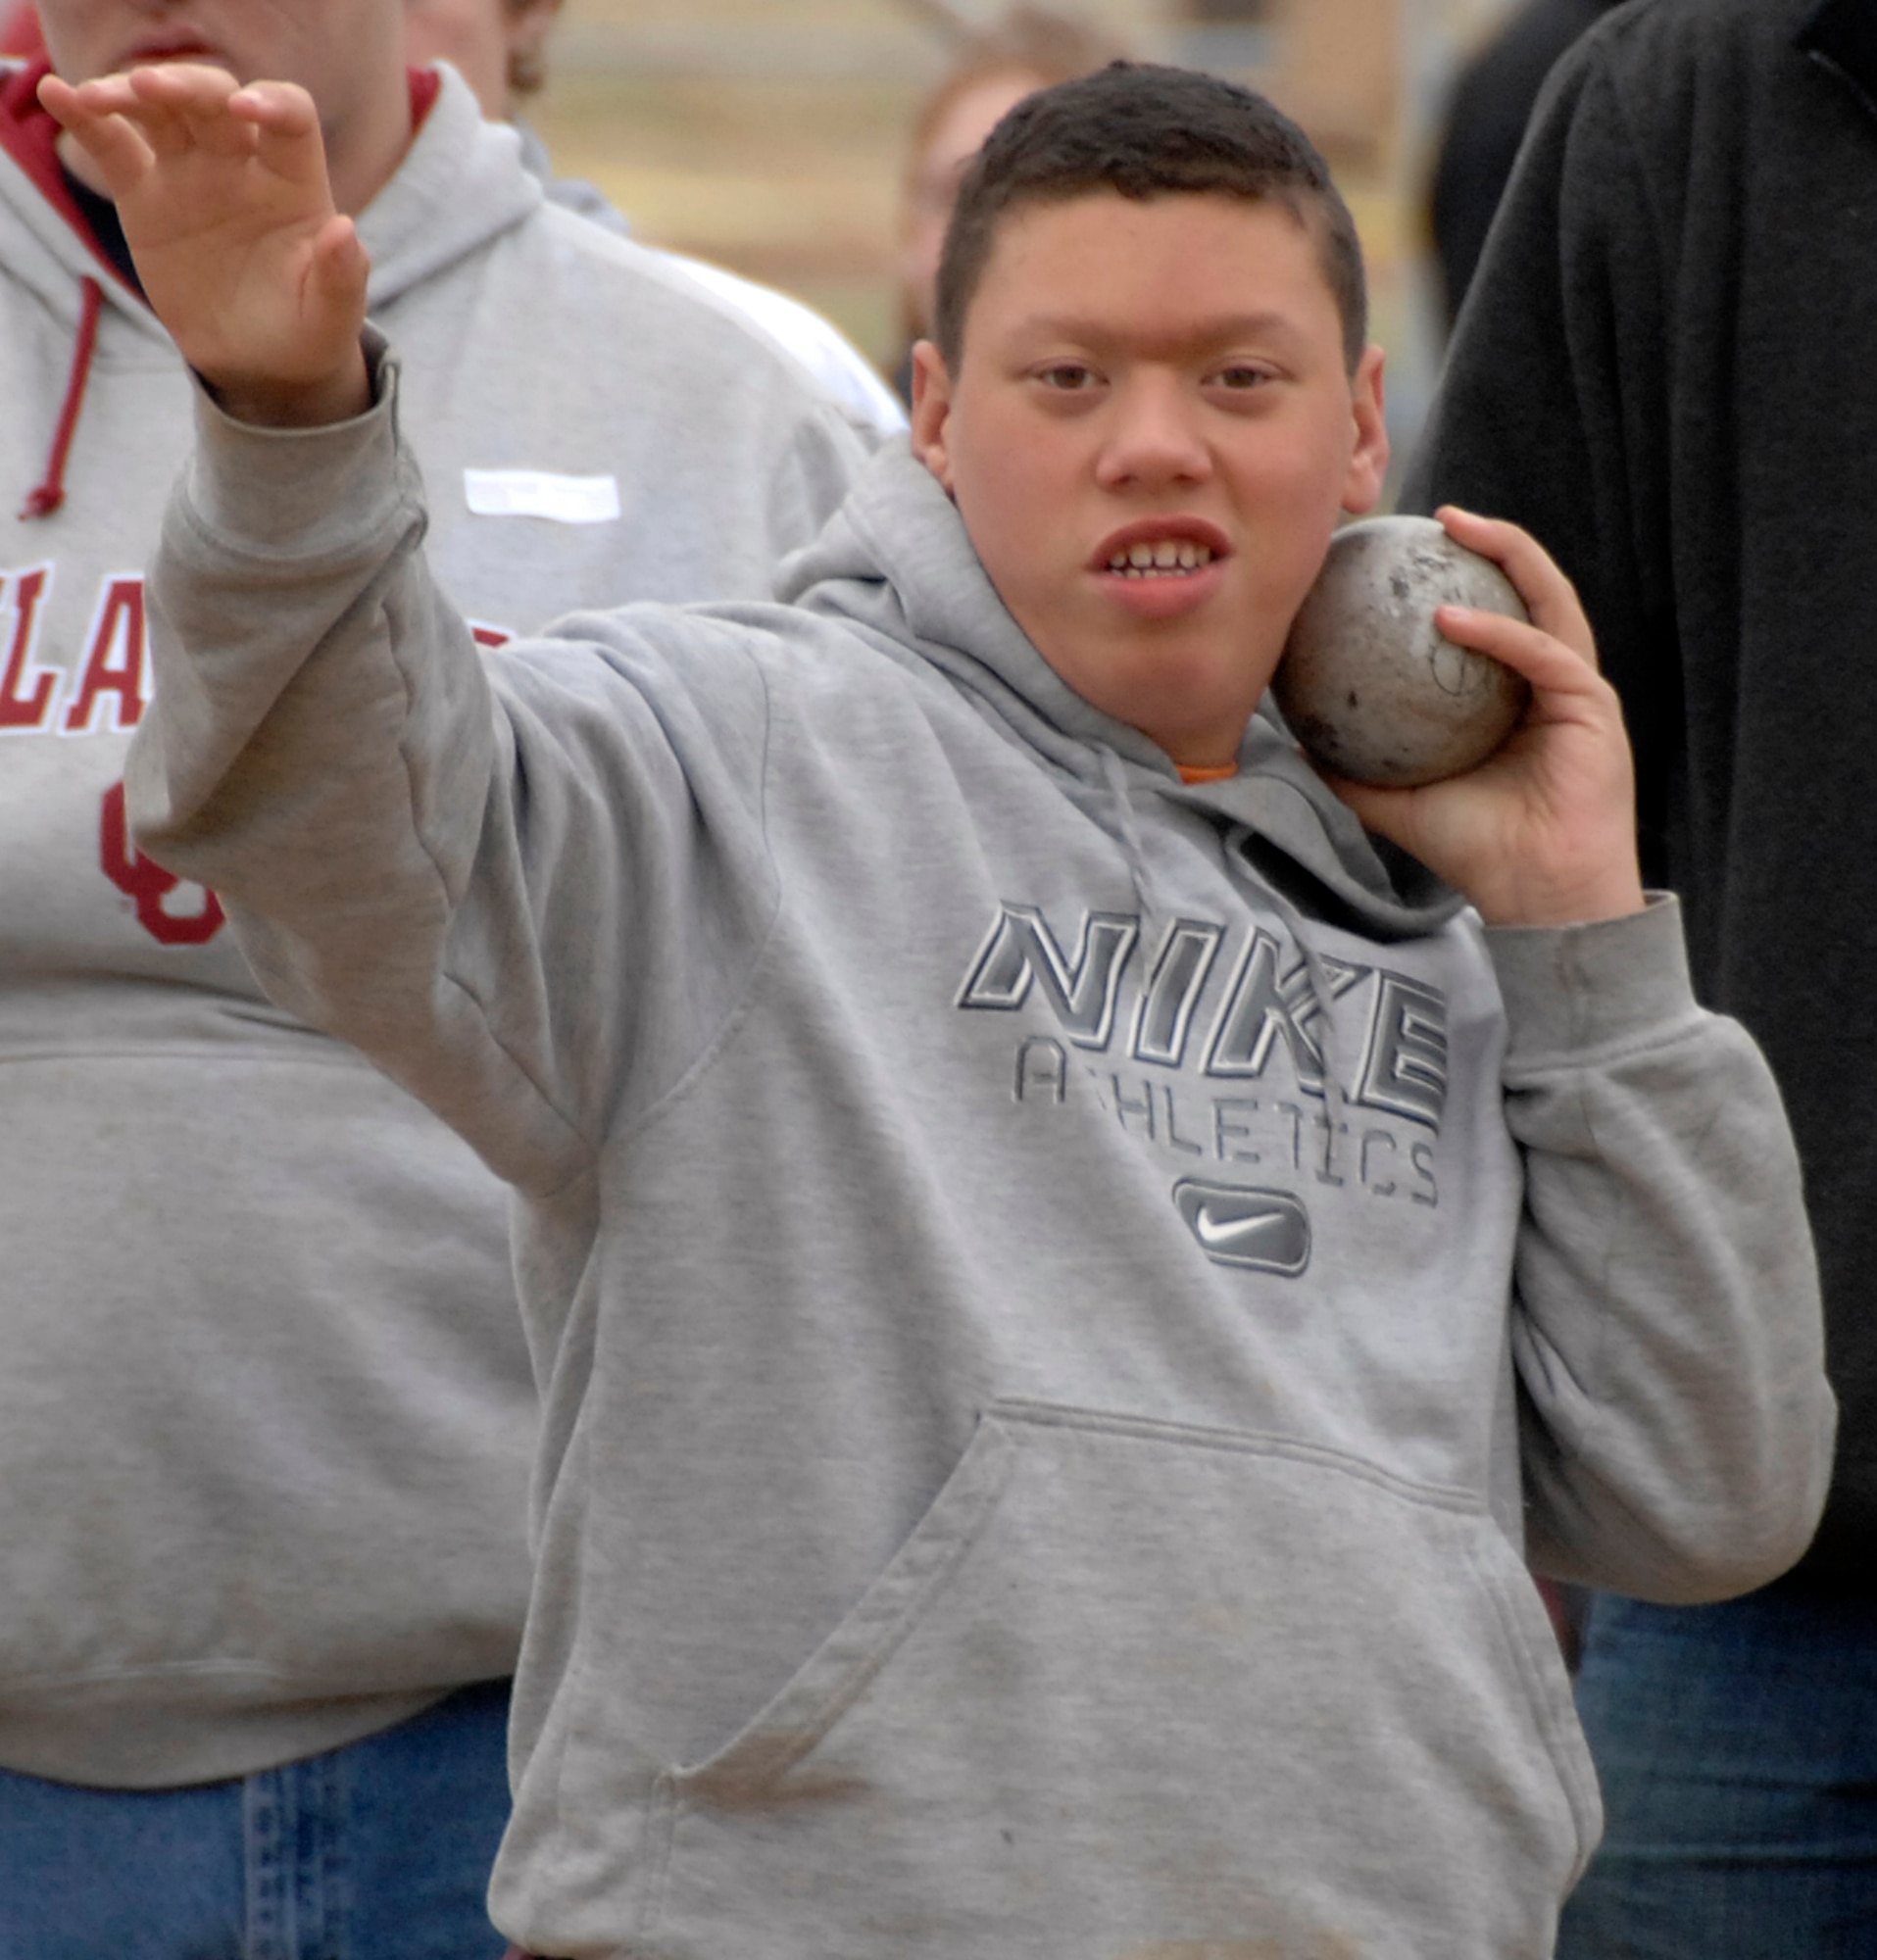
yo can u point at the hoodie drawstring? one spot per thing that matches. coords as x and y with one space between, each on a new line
1126 829
1323 988
50 494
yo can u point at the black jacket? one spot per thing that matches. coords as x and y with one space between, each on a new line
1486 119
1668 371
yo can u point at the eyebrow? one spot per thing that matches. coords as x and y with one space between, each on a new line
1213 332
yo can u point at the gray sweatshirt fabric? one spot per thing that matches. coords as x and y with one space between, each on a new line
266 1413
1060 1296
835 365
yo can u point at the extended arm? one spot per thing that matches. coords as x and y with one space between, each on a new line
435 856
480 868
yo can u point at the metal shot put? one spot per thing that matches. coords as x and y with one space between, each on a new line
1371 685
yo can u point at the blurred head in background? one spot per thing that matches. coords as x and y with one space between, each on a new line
497 46
992 71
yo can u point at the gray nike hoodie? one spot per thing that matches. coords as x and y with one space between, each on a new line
1060 1298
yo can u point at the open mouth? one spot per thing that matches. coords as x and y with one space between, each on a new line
1161 558
1169 549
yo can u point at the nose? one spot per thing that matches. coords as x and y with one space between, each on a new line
1154 434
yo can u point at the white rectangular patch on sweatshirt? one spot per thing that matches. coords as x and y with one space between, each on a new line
540 493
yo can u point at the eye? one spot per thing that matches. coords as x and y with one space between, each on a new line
1241 376
1068 378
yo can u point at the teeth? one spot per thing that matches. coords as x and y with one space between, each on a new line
1158 558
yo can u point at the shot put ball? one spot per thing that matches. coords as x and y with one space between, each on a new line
1367 683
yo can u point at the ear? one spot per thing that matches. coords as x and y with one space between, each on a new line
1368 463
528 25
932 412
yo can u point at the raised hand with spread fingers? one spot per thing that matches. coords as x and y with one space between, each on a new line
225 203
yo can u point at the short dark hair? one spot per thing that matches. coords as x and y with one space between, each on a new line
1147 131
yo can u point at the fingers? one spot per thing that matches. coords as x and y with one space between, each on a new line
182 107
1550 597
339 271
113 143
1552 666
287 138
173 108
1543 831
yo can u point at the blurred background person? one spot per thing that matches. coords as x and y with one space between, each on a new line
1486 115
1665 371
500 49
992 69
266 1413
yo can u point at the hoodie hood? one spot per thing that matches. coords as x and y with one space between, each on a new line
896 561
462 183
43 242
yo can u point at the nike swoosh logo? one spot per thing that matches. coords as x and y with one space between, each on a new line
1240 1225
1234 1231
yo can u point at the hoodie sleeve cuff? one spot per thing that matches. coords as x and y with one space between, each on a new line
300 493
1571 990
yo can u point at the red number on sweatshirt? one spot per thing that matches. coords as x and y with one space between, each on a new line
148 883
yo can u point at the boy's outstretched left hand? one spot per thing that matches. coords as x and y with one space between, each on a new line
224 197
1544 831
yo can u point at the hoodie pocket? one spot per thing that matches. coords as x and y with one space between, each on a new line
1537 1664
1132 1684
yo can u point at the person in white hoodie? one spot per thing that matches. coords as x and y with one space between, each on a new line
1065 1277
267 1417
500 49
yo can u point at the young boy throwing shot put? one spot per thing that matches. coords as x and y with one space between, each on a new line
1063 1279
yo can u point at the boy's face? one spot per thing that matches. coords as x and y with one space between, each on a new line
1161 381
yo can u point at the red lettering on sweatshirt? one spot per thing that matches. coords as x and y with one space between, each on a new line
113 678
147 884
18 708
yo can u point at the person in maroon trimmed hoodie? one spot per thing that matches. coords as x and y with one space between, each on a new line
267 1417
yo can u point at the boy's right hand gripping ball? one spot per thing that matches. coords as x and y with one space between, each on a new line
1369 686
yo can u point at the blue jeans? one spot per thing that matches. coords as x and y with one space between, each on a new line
377 1851
1737 1746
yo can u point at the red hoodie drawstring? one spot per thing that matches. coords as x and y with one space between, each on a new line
51 492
